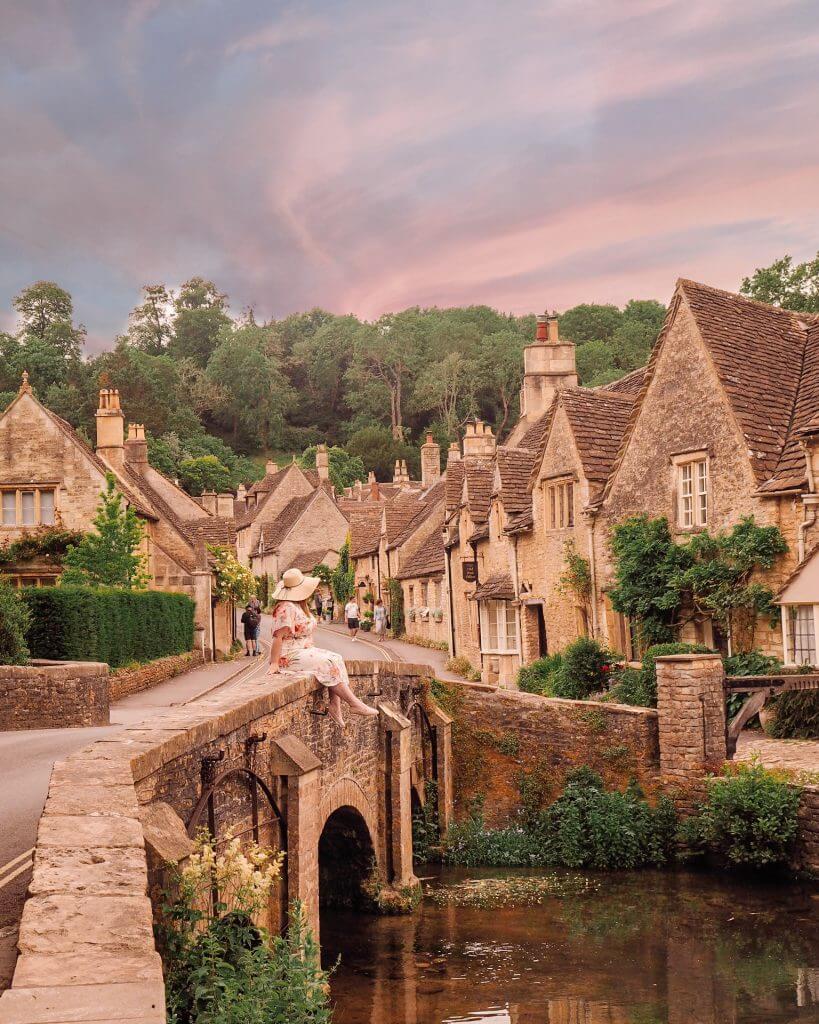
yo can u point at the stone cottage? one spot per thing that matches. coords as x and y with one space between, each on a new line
50 477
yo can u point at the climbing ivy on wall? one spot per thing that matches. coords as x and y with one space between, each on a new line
661 584
342 578
396 593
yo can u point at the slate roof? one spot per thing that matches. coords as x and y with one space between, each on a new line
497 587
479 476
631 384
514 469
758 351
263 490
308 560
219 530
454 485
536 434
365 533
399 514
427 560
598 420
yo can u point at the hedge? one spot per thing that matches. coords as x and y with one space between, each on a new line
116 626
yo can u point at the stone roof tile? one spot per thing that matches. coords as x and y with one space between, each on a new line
497 587
365 533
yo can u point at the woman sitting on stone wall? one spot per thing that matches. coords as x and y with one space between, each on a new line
292 647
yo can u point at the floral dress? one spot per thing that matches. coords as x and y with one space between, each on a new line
298 651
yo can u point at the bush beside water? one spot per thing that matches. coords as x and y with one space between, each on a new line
116 626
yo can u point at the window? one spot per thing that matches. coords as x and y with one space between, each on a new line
411 591
692 492
498 627
803 635
30 506
560 502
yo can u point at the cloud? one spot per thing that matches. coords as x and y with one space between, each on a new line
365 156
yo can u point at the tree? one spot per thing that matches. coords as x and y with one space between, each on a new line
378 450
254 393
345 469
46 313
109 557
442 386
14 622
200 317
317 366
499 374
590 322
151 328
204 473
783 284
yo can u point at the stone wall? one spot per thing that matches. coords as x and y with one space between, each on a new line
506 740
806 852
53 695
124 682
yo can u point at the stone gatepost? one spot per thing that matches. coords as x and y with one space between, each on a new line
291 758
398 838
691 711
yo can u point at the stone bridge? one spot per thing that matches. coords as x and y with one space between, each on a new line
260 759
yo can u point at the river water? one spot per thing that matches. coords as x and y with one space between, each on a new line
641 948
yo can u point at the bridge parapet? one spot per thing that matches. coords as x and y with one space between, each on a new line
116 808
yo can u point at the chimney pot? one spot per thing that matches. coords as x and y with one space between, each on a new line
541 331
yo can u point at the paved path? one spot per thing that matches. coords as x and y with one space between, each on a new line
336 638
26 760
798 756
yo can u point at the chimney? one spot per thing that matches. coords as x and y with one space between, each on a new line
375 493
110 427
208 500
241 494
549 366
224 505
136 447
323 462
396 473
479 440
357 490
453 455
271 467
430 462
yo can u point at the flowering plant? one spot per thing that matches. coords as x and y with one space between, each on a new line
234 581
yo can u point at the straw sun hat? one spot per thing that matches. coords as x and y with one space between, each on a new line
295 586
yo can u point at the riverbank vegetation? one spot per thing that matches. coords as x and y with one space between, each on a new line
220 966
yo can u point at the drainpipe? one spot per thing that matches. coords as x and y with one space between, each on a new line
808 519
448 566
516 588
593 574
378 571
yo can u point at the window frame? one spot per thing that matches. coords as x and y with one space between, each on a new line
558 504
789 621
490 621
37 491
692 484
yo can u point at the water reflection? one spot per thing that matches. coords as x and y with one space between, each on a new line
645 949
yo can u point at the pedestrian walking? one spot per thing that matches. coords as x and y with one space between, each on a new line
319 605
380 620
252 622
352 615
292 648
329 608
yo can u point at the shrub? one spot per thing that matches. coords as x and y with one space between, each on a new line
117 626
585 669
649 669
426 837
538 676
748 819
751 663
396 599
460 665
218 965
796 715
233 581
587 826
15 619
630 687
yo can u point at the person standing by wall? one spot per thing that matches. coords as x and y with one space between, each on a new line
380 620
252 623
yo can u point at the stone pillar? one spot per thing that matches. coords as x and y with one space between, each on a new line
399 838
291 758
202 612
691 710
442 724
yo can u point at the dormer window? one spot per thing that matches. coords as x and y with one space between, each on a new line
692 490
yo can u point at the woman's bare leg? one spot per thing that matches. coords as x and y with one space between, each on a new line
343 691
334 710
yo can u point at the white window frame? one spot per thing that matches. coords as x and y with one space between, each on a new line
493 610
692 484
787 646
37 490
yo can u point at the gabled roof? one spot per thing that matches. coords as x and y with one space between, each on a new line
365 532
263 491
598 420
631 384
478 477
536 434
454 485
399 514
427 560
308 560
514 467
273 534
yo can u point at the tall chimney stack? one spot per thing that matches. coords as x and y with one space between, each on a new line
430 461
110 427
323 462
136 447
549 366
